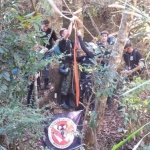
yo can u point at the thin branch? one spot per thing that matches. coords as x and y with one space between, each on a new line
33 6
93 22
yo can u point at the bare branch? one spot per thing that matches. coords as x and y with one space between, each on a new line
33 6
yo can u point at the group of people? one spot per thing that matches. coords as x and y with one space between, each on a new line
133 61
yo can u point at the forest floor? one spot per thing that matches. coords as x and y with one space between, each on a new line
113 127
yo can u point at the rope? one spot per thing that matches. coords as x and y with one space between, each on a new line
76 74
68 7
86 29
57 10
79 20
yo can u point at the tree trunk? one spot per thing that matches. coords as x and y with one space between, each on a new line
36 89
1 17
123 33
124 29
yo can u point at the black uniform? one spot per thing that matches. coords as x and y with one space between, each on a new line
86 80
132 59
51 39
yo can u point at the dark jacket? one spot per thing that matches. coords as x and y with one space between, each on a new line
51 39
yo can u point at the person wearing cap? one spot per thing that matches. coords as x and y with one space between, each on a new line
103 40
104 45
66 66
133 60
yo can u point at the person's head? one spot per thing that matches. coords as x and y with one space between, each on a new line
45 25
63 32
111 40
128 47
104 36
92 47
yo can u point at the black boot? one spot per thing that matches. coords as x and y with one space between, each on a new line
64 99
46 86
70 103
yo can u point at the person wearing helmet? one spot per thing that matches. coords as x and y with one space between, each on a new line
133 60
66 67
86 60
111 40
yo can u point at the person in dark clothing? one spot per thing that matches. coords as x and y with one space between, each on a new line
51 36
66 68
30 88
133 61
86 79
49 33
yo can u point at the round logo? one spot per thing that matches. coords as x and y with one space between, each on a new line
61 132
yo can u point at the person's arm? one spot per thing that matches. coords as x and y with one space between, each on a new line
69 31
140 63
139 67
70 27
88 53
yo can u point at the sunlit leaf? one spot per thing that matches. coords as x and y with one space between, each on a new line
29 15
6 75
1 50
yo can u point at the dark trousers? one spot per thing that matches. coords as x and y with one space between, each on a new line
46 69
66 87
86 86
30 96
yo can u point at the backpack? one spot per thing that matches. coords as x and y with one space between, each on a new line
57 50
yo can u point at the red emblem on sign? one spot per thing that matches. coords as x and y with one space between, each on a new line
61 132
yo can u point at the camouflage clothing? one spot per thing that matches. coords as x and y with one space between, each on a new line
66 83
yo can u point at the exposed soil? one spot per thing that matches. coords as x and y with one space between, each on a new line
113 119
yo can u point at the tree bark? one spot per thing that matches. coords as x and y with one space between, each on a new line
33 6
123 33
1 6
36 89
124 29
93 23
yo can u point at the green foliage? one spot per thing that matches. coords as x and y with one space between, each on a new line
115 147
133 104
19 35
93 117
